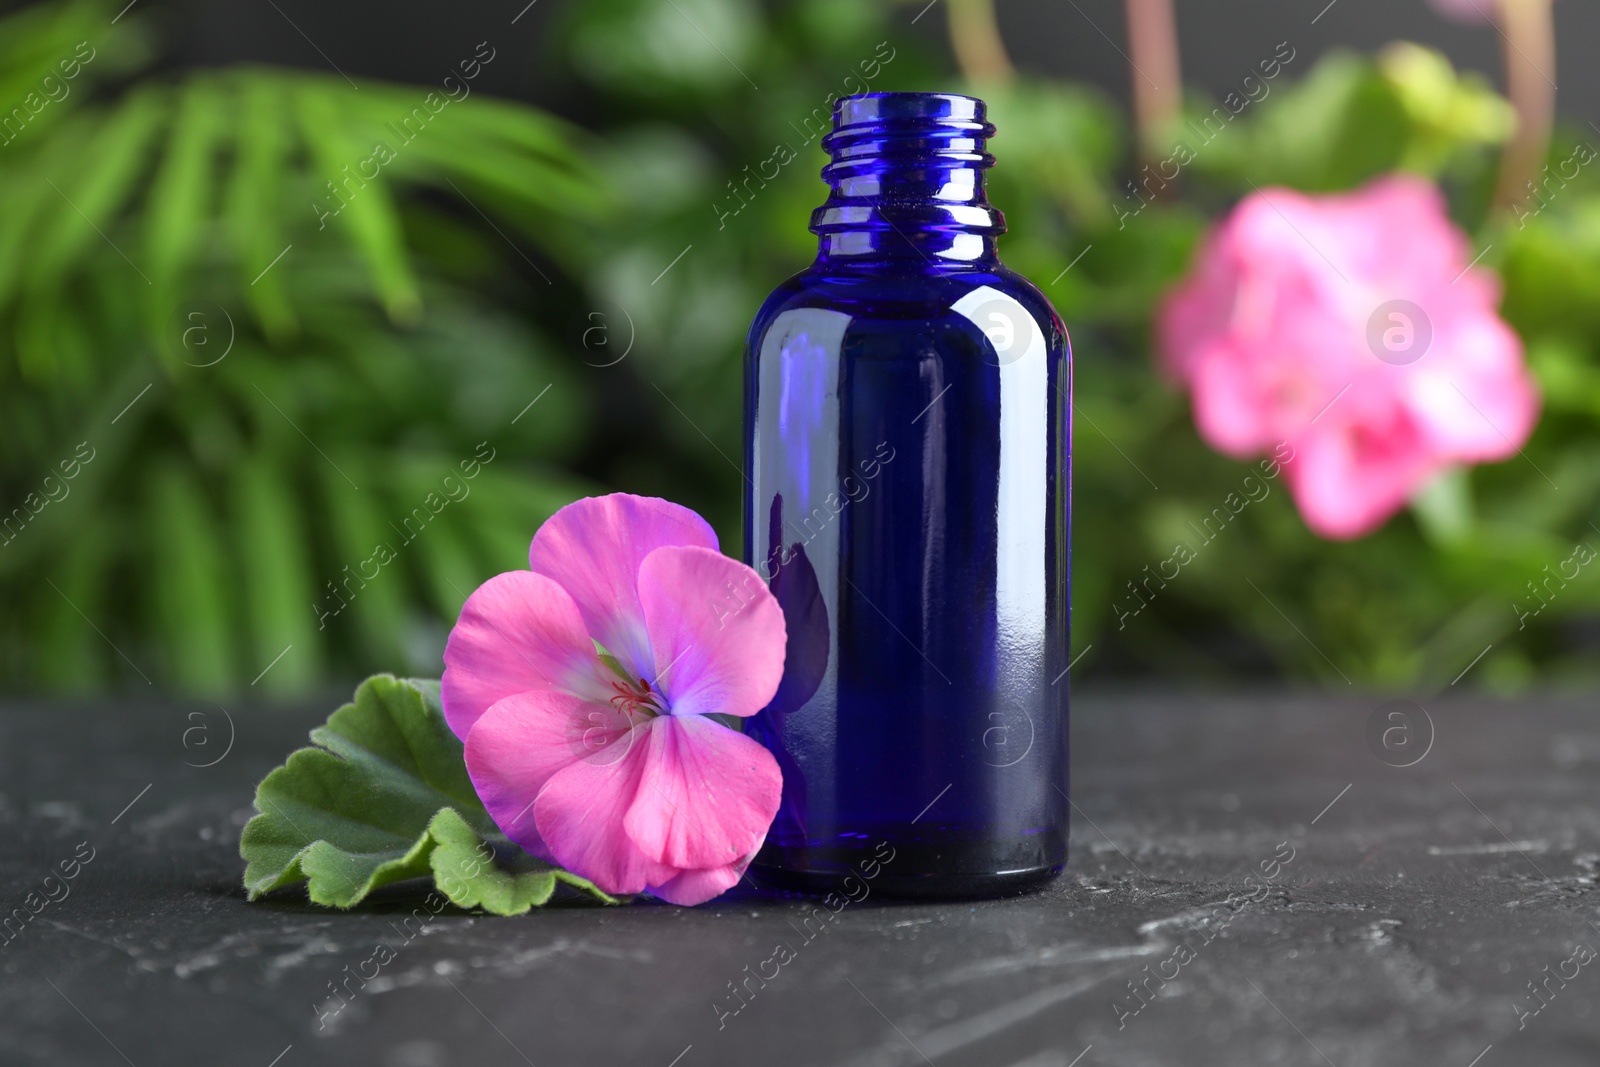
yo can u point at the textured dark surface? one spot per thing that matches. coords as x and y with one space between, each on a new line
1403 931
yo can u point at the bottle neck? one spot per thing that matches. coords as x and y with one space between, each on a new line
906 183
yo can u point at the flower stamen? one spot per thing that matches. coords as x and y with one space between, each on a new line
637 700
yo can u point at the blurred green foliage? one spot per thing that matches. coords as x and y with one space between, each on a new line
502 253
251 392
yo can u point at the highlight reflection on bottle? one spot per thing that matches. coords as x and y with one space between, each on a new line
907 418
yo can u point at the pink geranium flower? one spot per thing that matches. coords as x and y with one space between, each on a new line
608 762
1353 329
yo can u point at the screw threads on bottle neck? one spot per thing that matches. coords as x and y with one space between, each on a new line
906 179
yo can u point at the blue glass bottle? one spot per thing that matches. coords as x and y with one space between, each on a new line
907 427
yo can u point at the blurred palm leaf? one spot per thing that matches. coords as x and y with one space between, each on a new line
270 345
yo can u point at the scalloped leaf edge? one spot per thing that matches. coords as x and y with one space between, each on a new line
469 861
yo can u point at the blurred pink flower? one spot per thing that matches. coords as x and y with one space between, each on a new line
609 763
1466 10
1469 10
1352 329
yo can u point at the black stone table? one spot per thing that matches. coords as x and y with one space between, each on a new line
1252 882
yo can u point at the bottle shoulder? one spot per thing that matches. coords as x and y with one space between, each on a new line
820 287
907 297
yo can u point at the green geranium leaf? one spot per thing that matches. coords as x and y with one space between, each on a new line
385 797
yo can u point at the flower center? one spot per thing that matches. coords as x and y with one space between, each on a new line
637 700
634 697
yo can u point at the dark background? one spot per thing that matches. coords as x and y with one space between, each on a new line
413 41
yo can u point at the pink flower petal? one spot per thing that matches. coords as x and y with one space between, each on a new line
1479 404
523 740
594 547
1349 480
581 810
707 794
1230 408
699 886
517 632
717 632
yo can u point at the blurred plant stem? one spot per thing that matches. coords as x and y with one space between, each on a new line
1156 74
975 40
1528 29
